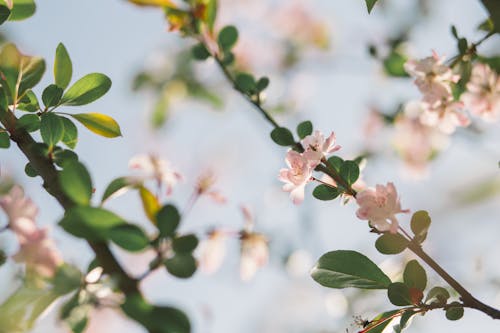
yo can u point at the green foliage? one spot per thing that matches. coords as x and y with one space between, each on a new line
493 8
74 314
228 37
76 183
51 95
304 129
381 321
98 123
118 186
420 223
245 83
414 276
168 219
70 136
3 257
68 278
455 312
282 136
63 68
344 269
21 10
29 102
129 237
51 129
399 294
32 72
30 171
200 52
370 4
4 14
185 244
262 84
29 122
349 171
86 90
391 243
394 64
90 223
438 294
181 265
326 192
4 140
336 163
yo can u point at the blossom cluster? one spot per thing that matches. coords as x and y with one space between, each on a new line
37 251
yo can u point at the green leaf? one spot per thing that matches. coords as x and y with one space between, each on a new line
86 90
228 37
63 156
200 52
262 84
29 122
304 129
245 83
414 276
100 124
405 317
4 140
211 14
493 8
455 312
51 129
117 186
487 25
349 171
399 294
29 102
150 203
51 95
32 72
67 279
336 162
22 9
90 223
282 136
4 14
10 64
30 171
438 293
185 244
370 4
394 64
380 322
129 237
70 137
391 244
325 192
181 265
344 269
63 68
420 223
168 219
76 182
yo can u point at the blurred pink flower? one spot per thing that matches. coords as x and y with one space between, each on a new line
297 176
157 169
254 254
212 251
316 147
482 97
21 212
372 125
204 187
446 116
432 78
379 206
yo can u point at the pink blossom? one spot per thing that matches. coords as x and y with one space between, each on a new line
157 169
483 93
212 251
297 176
254 254
379 206
446 116
432 78
204 187
316 147
21 212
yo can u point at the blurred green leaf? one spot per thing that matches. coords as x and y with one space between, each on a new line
67 279
4 140
90 223
185 244
228 37
181 265
420 223
391 244
129 237
493 8
51 129
325 192
394 64
4 13
200 52
76 183
438 293
118 186
21 10
168 219
98 123
304 129
282 136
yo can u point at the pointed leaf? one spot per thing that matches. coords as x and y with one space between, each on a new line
51 129
414 275
98 123
150 203
87 89
70 137
63 68
118 186
76 182
129 237
90 223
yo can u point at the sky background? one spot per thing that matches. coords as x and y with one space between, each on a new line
334 89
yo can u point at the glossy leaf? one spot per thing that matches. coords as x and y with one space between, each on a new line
32 72
150 203
118 186
399 294
391 243
344 269
414 275
438 293
51 129
22 9
185 244
325 192
70 137
181 265
228 37
100 124
336 162
90 222
76 183
349 171
87 89
168 219
304 129
63 68
129 237
282 136
51 95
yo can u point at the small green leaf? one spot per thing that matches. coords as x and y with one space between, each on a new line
391 244
420 223
32 72
100 124
344 269
29 122
67 279
51 129
63 68
394 64
336 162
282 136
414 276
200 52
181 265
63 156
349 171
370 4
185 244
90 222
76 182
30 171
455 312
4 140
304 129
438 293
4 14
403 322
117 186
399 294
245 83
379 324
493 8
262 84
70 137
22 9
51 95
325 192
29 102
129 237
168 219
228 36
86 90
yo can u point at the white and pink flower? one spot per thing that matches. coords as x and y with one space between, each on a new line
254 254
446 116
156 168
482 97
316 147
213 251
297 175
379 206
